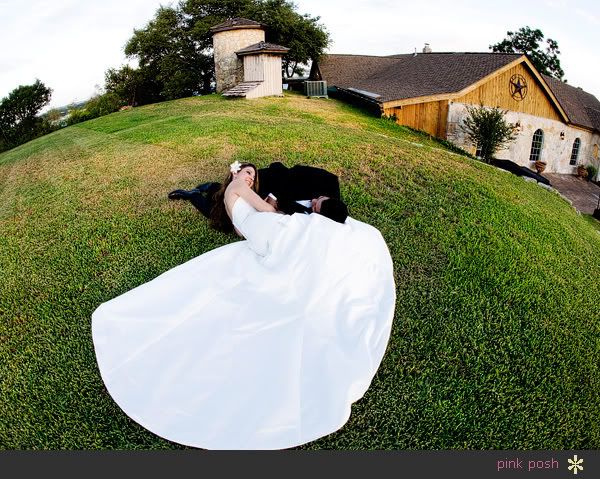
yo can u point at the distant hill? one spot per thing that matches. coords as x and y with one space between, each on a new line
64 110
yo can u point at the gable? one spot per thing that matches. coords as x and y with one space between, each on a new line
496 92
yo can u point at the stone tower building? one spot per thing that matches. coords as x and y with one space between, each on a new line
229 37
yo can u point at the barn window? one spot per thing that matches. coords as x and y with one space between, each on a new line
575 151
536 145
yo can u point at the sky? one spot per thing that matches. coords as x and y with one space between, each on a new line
69 44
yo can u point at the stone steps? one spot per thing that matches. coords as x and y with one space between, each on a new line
241 89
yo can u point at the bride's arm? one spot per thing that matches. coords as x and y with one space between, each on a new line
243 190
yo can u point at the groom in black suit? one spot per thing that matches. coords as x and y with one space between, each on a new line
317 188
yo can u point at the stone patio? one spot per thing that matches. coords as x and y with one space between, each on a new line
584 194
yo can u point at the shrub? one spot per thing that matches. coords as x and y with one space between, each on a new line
104 104
487 129
77 115
97 106
592 172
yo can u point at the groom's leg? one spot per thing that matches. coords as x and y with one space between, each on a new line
210 188
205 187
203 197
202 203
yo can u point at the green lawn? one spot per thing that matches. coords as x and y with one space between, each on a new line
496 338
593 221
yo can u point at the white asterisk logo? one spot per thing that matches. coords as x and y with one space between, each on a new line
575 464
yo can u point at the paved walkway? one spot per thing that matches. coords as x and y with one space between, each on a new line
584 194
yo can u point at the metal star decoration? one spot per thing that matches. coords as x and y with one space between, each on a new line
518 87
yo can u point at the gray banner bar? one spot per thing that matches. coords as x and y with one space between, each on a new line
309 464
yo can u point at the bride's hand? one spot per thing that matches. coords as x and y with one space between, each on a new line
269 199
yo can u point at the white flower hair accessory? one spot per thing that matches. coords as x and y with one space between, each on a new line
235 166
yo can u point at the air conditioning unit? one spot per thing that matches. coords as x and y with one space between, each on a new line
316 89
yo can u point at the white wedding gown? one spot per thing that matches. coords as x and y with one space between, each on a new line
260 344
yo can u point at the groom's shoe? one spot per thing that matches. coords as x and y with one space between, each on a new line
179 195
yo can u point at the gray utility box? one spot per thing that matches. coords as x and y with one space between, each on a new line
316 89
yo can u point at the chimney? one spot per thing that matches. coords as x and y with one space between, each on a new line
426 48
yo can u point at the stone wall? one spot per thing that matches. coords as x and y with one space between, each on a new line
556 152
229 69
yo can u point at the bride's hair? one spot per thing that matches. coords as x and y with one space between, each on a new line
219 219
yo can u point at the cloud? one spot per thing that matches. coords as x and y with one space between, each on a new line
67 44
386 27
588 16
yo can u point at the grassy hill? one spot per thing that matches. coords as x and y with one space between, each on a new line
496 338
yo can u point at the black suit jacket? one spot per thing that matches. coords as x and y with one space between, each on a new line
297 183
288 184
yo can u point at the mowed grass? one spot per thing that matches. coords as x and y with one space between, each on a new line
496 336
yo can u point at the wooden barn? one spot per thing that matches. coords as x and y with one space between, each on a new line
557 123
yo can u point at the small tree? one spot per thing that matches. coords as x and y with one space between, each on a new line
487 129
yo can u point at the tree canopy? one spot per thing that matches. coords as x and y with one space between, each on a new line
174 50
528 41
133 86
19 120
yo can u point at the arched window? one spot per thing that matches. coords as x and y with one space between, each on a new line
595 151
536 145
575 151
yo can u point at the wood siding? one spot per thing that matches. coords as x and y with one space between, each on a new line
265 68
430 117
496 92
253 68
431 114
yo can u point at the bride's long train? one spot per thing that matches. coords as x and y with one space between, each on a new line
234 350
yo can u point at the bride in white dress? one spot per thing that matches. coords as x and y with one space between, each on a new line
265 344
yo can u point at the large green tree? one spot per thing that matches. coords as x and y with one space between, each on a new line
174 50
529 42
19 119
